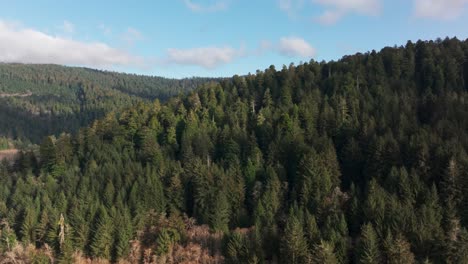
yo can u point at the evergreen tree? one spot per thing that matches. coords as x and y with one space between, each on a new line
398 250
219 219
102 242
323 253
28 228
368 248
123 235
48 154
294 244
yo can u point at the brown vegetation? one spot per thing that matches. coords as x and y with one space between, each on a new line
15 94
199 245
8 154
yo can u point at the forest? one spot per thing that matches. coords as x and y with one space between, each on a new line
40 100
360 160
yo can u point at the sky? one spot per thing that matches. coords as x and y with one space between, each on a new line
215 38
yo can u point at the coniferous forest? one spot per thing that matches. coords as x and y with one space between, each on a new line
41 100
360 160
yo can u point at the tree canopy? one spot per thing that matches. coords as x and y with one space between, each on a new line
361 160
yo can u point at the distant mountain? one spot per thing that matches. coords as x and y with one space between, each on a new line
39 100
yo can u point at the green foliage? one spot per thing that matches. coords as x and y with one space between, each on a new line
123 235
368 249
241 248
102 242
39 100
398 250
167 237
8 237
293 243
315 182
323 253
28 227
219 218
358 160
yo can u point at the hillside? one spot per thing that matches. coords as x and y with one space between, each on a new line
40 100
362 160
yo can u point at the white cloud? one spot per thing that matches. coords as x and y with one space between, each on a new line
215 6
439 9
364 7
131 35
291 7
25 45
330 17
286 46
68 27
207 57
295 47
337 9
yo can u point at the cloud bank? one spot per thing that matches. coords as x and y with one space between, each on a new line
213 56
337 9
295 47
206 57
439 9
291 7
25 45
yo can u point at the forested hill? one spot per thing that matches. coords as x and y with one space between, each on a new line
39 100
363 160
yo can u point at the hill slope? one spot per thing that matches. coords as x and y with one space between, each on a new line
363 160
39 100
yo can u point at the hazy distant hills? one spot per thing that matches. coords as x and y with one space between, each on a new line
38 100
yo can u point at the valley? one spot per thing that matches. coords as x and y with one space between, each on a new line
39 100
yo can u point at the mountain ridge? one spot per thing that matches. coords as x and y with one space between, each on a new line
62 98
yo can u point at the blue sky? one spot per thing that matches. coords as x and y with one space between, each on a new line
183 38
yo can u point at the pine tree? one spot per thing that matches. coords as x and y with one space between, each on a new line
123 235
323 254
153 194
28 228
240 249
267 101
219 218
311 229
235 185
102 242
368 247
48 153
8 237
294 248
398 250
314 184
42 226
175 195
